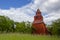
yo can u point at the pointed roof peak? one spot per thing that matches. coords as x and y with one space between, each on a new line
38 10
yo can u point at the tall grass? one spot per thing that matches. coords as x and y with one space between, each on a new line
17 36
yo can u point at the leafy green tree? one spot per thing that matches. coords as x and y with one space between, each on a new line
56 27
6 24
28 28
22 27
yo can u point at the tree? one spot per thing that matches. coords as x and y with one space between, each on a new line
56 27
6 24
22 27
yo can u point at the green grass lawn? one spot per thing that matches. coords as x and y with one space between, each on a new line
17 36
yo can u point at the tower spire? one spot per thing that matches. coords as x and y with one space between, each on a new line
38 12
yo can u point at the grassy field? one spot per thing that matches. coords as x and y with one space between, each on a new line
17 36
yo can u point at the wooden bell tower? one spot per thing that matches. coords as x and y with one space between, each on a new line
39 26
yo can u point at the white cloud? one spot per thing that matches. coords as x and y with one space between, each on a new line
49 7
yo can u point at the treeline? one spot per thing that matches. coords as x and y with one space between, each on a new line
7 25
54 28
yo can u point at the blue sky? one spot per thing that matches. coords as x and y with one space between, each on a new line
25 10
6 4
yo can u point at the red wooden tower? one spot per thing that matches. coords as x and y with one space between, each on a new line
39 26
